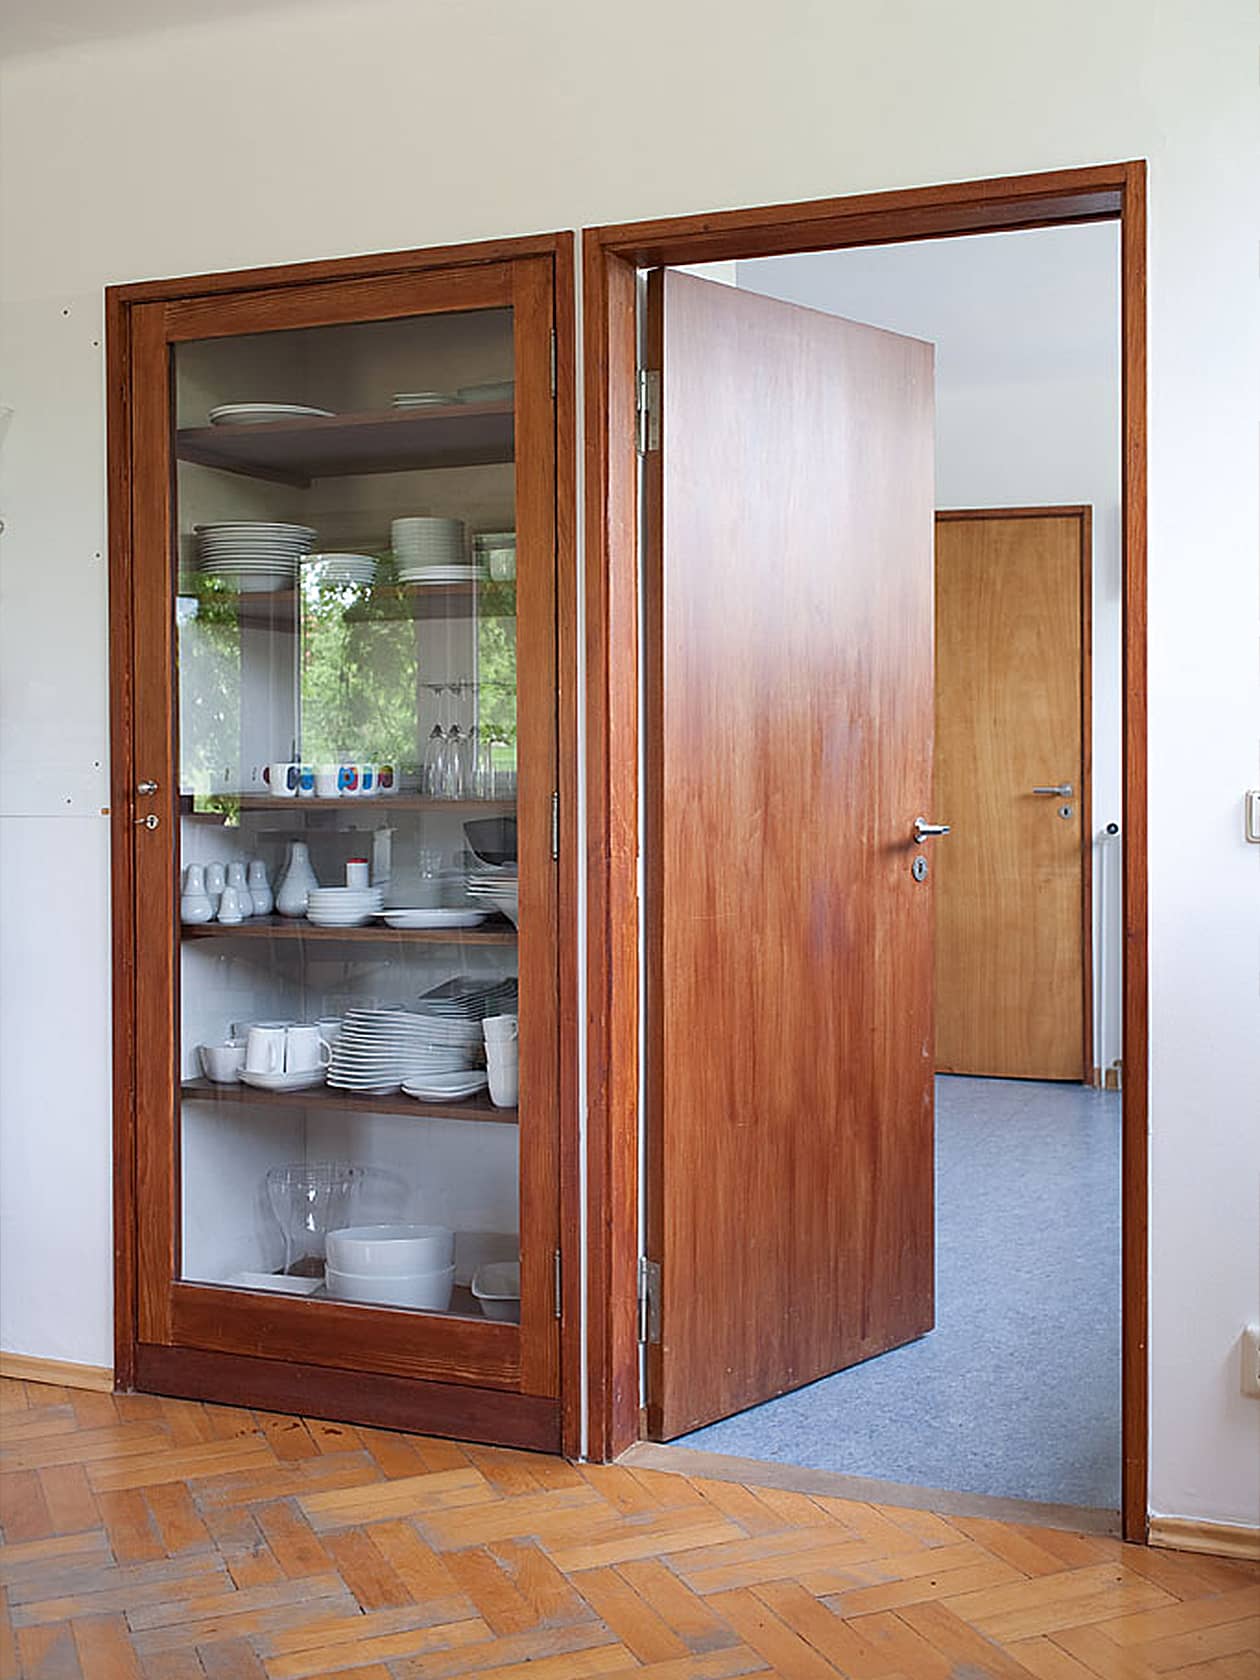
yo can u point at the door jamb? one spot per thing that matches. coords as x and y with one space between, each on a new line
611 255
1083 513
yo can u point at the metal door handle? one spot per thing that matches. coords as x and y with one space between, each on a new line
924 830
146 787
149 822
1063 791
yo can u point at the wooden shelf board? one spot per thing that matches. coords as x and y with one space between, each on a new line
249 804
325 1097
498 931
379 440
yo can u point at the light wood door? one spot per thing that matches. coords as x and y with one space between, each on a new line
789 729
1013 980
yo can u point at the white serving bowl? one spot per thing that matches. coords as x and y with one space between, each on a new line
390 1250
422 1289
498 1287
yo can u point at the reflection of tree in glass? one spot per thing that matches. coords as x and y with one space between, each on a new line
496 669
209 684
359 672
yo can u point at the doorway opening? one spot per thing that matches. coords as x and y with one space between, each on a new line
612 256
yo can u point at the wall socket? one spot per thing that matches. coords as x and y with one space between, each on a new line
1251 1361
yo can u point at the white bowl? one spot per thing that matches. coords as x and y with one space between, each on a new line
390 1250
422 1289
498 1287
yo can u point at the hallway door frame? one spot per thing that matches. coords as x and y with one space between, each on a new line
612 255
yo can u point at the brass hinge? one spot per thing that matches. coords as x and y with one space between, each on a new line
553 361
559 1291
555 825
649 1299
648 410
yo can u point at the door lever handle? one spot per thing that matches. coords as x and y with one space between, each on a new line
1063 791
924 830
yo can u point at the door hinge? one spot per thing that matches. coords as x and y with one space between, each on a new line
649 1299
553 361
555 825
559 1289
648 410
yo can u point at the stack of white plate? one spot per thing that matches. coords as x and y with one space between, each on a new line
343 906
446 1087
424 399
499 888
464 1002
253 554
264 414
377 1049
340 568
432 551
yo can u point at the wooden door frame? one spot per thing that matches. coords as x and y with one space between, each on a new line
611 255
453 1407
1084 515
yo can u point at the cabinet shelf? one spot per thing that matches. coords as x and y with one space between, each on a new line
325 1097
496 932
376 441
249 804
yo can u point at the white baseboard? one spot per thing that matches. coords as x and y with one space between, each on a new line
1184 1534
24 1367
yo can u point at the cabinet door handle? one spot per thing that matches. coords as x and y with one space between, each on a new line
146 787
1062 791
924 830
152 821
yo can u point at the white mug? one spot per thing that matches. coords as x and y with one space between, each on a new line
264 1050
282 780
329 1027
504 1080
305 1050
500 1029
328 781
222 1063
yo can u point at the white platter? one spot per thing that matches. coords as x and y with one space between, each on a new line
433 918
260 414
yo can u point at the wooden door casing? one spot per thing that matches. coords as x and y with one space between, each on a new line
165 1326
788 628
1014 995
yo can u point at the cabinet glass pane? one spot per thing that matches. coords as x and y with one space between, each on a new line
346 617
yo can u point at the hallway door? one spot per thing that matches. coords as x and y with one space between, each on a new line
1013 901
789 694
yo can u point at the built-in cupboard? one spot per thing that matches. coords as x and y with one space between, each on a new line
340 757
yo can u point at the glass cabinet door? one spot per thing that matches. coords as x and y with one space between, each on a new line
351 931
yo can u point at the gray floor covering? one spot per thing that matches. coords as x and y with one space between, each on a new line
1017 1390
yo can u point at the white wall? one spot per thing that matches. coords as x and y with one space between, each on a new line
363 126
1027 334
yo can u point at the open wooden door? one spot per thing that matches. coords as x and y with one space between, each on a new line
789 941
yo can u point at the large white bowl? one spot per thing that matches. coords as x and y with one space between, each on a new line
423 1289
390 1250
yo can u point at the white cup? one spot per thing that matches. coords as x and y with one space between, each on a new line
329 1028
264 1050
305 1050
282 780
357 872
501 1029
222 1062
328 781
505 1080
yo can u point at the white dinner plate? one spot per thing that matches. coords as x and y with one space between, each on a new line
258 414
263 527
433 918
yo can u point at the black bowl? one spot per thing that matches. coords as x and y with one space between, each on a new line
493 839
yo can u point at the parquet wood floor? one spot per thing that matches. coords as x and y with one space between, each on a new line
150 1539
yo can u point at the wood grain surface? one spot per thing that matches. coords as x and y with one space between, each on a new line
789 731
1013 679
163 1539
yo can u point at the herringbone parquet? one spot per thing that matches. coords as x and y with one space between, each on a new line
150 1539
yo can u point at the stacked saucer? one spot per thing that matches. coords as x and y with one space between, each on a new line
446 1087
324 569
463 1002
424 399
253 554
498 887
343 906
432 551
378 1049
